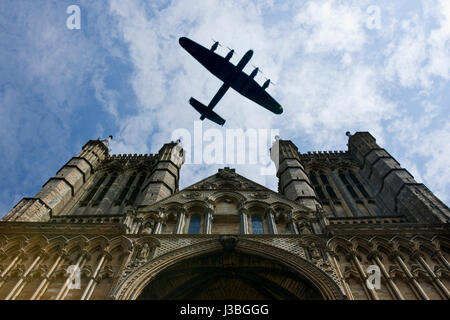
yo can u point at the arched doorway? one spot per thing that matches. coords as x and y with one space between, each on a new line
291 276
229 275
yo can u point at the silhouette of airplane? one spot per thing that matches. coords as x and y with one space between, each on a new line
232 76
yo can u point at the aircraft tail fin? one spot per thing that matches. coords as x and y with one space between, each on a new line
206 112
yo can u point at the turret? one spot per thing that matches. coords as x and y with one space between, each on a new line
164 179
293 180
60 189
396 186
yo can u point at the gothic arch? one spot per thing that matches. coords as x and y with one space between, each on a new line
132 286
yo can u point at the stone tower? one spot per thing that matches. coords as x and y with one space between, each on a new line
118 227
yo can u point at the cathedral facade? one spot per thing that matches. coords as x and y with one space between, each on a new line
343 225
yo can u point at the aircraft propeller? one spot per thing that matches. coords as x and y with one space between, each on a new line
215 41
270 81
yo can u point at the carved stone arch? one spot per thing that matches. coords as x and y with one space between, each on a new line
301 214
335 244
360 244
36 244
250 204
132 286
15 243
381 244
174 205
238 197
97 242
423 244
57 244
402 245
149 215
171 210
77 243
441 243
307 239
282 211
122 243
191 205
3 240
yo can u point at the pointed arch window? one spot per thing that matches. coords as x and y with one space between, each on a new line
194 224
105 190
136 190
257 224
359 185
125 190
93 191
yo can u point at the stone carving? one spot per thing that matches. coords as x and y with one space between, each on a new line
303 227
228 242
148 228
314 251
260 195
191 195
144 252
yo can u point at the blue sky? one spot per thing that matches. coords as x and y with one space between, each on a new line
124 73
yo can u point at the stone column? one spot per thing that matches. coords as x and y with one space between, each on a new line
136 225
396 257
442 258
12 264
293 224
45 282
348 292
362 273
158 227
92 281
374 257
79 264
181 219
444 291
243 213
160 218
271 220
22 281
208 221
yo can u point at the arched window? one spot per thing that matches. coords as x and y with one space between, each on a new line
359 185
313 180
331 192
323 178
93 191
137 188
257 225
194 224
125 190
105 190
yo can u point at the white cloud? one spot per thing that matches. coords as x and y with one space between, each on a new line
329 26
419 52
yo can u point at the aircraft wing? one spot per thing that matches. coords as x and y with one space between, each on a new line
250 89
215 63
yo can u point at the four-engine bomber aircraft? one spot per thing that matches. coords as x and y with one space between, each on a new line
232 76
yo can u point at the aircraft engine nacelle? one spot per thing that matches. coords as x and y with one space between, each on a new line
214 46
229 55
266 84
254 73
